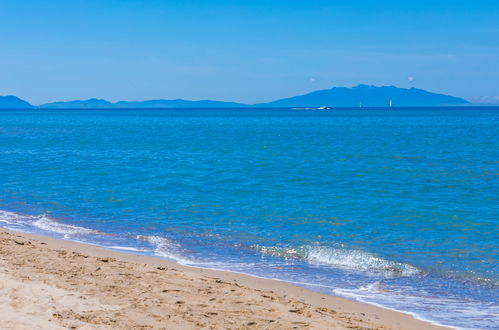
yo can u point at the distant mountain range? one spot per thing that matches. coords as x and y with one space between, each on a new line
13 102
103 104
361 95
367 96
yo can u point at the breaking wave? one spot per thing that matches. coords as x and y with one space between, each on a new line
416 301
48 224
12 218
166 248
162 246
44 222
343 258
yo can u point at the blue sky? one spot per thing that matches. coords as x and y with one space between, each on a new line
246 51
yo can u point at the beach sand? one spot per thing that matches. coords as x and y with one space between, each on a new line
54 284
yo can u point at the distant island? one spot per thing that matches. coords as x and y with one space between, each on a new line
13 102
367 96
157 104
358 96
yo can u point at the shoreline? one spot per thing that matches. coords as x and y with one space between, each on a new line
267 303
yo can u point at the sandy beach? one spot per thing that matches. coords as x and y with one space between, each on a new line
55 284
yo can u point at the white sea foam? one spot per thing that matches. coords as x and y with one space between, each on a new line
43 222
12 218
465 312
163 247
48 224
126 248
166 248
344 259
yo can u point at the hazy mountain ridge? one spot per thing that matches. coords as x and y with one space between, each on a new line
361 95
368 96
149 104
78 104
13 102
178 103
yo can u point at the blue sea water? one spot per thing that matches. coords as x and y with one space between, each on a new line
394 207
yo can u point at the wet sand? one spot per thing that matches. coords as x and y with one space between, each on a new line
54 284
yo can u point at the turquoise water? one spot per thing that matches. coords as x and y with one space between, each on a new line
398 208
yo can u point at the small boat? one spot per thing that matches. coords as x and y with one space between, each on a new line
319 108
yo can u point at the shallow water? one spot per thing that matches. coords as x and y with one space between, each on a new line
394 207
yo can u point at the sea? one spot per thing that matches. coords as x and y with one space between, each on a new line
395 207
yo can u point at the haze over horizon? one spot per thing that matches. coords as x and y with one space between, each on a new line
245 51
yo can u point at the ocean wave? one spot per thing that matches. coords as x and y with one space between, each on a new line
12 218
466 312
126 248
161 246
43 222
48 224
166 248
343 258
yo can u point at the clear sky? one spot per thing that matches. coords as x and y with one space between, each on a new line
246 51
